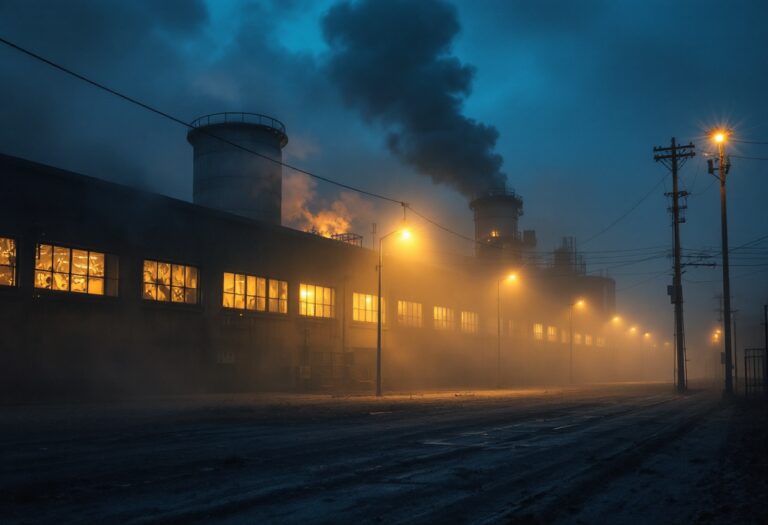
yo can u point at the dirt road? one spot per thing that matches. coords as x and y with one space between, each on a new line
618 454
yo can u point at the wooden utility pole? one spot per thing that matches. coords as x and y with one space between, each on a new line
673 157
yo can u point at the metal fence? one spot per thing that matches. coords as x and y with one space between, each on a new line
754 372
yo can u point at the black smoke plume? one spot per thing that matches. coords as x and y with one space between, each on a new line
391 60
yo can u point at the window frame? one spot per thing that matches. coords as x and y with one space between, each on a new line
357 296
303 301
183 304
267 298
446 324
469 322
14 265
410 320
110 277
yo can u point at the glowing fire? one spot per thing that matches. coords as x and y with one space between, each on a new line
299 192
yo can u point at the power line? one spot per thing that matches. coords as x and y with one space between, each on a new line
748 141
625 214
177 120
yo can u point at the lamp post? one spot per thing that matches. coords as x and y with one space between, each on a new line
720 137
405 234
579 303
509 278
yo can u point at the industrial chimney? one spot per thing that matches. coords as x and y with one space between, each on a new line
496 231
228 176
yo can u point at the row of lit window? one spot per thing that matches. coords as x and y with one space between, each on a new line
578 338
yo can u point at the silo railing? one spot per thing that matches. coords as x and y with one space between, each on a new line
234 117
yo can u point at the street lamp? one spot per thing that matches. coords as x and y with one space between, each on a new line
720 137
405 235
511 278
579 303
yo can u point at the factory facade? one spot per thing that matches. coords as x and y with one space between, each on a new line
105 289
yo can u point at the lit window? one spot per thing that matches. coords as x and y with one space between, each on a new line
576 338
409 314
7 262
494 233
365 308
249 292
600 341
588 340
538 331
316 301
551 334
71 270
168 282
469 322
443 317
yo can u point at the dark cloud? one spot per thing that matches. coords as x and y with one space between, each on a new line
392 62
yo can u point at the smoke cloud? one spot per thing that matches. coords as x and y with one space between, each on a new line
300 194
391 61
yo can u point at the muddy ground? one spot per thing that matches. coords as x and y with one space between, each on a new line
601 454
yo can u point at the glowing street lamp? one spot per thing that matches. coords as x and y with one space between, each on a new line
720 137
405 235
510 278
580 304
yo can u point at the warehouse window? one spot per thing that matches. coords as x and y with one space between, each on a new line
443 317
168 282
71 270
316 301
588 340
551 334
469 322
538 331
600 341
409 314
577 338
249 292
365 308
7 262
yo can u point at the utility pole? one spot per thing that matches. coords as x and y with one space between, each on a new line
720 138
673 157
765 350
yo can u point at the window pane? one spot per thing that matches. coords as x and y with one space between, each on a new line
251 285
191 277
272 289
164 273
229 282
239 301
79 262
228 301
251 302
61 281
96 285
150 272
43 279
283 307
150 291
191 296
240 283
6 276
96 264
60 259
163 292
261 287
7 251
177 275
79 283
261 304
44 257
177 294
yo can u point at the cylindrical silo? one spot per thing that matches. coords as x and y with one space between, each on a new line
228 176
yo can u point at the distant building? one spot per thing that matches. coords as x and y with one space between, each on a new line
106 289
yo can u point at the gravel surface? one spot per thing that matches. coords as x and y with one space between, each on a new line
611 453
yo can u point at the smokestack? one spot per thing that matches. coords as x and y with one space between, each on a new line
496 225
234 180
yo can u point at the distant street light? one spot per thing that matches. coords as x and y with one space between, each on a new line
580 303
511 278
405 235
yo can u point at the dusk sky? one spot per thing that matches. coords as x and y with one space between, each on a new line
564 98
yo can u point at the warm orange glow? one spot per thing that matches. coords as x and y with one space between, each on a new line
647 335
406 235
719 136
616 319
512 277
633 329
580 303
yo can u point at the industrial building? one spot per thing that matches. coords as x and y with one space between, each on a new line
106 289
